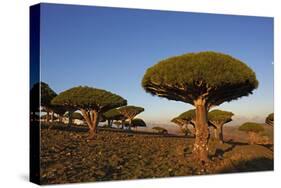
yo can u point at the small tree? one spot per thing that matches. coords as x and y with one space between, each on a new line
111 115
130 112
160 130
46 96
270 119
218 118
59 110
252 129
203 79
185 119
91 102
137 122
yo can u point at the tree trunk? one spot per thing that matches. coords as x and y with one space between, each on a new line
220 129
52 116
200 149
69 118
216 136
60 118
48 116
130 124
252 137
94 123
122 124
91 120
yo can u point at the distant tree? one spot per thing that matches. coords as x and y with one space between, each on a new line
130 112
77 115
91 102
46 95
218 118
203 79
270 119
59 110
185 119
111 115
252 129
137 122
160 130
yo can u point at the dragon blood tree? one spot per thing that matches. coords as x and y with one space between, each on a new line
91 102
46 96
204 80
185 119
137 122
270 119
112 115
218 118
130 112
252 129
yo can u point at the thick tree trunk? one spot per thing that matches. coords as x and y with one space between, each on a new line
94 123
220 133
130 124
200 149
252 137
92 118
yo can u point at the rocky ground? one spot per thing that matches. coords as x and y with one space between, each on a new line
66 157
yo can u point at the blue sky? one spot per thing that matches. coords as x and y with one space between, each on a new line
111 48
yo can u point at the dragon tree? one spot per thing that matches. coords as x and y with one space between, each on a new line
46 96
112 115
204 80
130 112
218 118
270 119
92 102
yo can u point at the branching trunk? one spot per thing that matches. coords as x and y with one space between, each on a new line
200 149
92 119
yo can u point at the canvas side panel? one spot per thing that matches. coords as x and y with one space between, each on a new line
34 134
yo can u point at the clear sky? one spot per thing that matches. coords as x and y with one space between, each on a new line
111 49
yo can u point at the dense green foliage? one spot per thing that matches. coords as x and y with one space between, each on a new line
188 115
220 116
46 95
77 115
251 127
216 76
113 114
89 98
185 118
130 111
137 122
